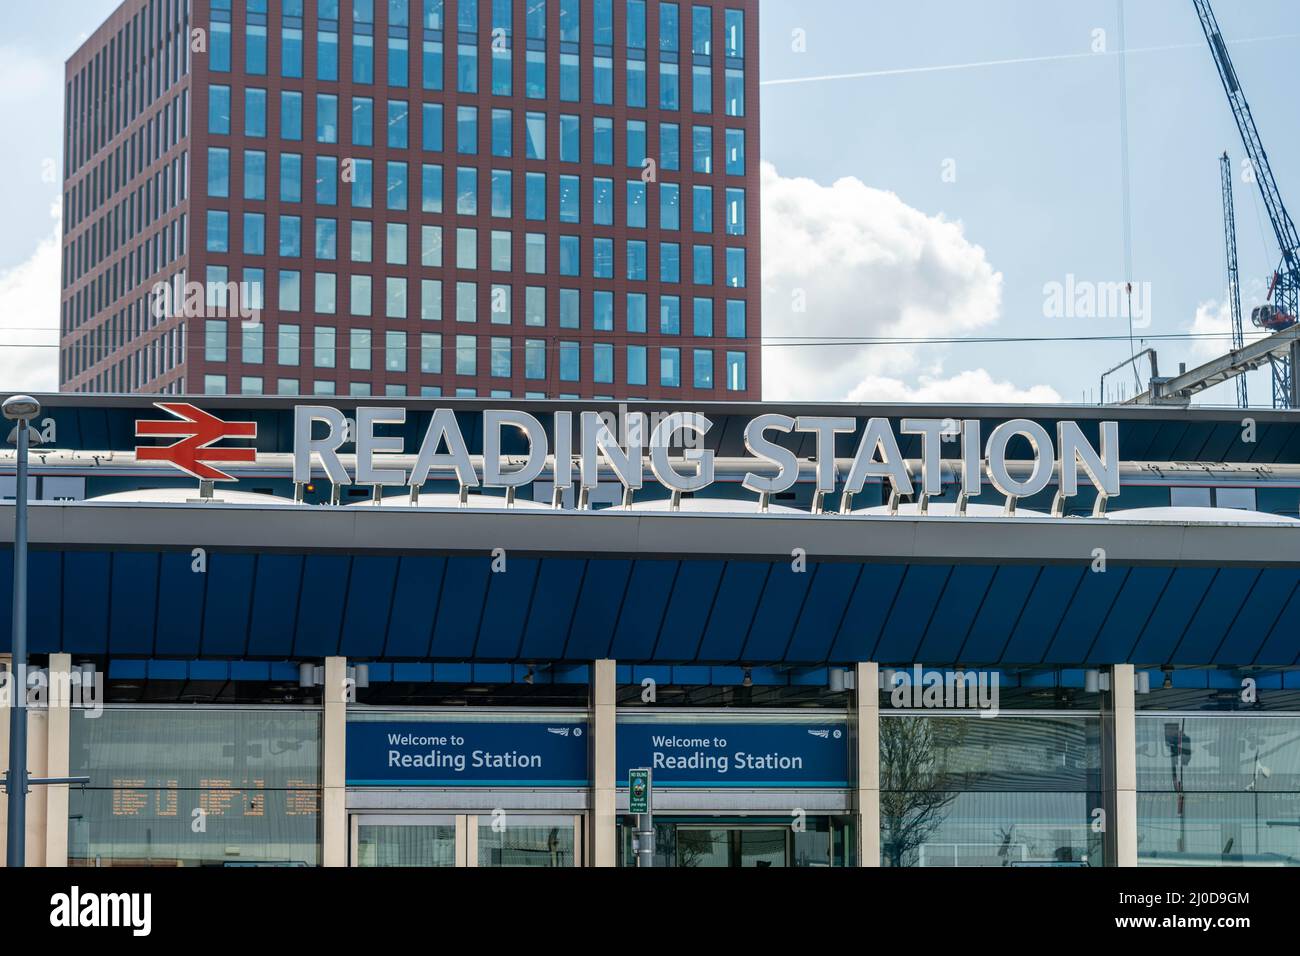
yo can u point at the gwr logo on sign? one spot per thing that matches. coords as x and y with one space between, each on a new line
198 431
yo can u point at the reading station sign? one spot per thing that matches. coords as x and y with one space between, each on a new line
583 442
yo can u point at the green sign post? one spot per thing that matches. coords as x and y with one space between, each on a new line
638 791
639 786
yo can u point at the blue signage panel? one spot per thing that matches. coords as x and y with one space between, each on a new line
467 753
751 754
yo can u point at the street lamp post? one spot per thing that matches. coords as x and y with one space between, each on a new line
21 409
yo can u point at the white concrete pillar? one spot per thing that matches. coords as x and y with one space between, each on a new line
1124 727
334 728
58 743
602 829
866 739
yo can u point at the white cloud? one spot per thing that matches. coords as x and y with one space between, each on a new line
1211 317
850 260
29 316
972 385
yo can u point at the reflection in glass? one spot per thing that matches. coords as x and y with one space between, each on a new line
1218 791
967 791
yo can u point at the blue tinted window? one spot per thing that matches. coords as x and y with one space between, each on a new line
363 184
636 144
254 174
218 109
702 265
570 149
602 258
570 199
602 311
670 368
501 144
570 256
702 318
399 66
254 112
636 312
327 55
398 114
290 177
703 368
670 262
218 172
535 196
702 208
735 318
254 233
602 143
431 127
363 121
736 268
637 265
636 204
396 185
636 364
466 130
363 59
670 315
735 152
669 206
602 201
218 231
431 189
290 236
327 177
670 146
290 115
327 118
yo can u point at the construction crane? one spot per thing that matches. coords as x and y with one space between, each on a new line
1234 286
1280 308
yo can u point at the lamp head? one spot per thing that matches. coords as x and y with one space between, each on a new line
21 408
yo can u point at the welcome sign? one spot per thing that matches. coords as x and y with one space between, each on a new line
467 753
801 753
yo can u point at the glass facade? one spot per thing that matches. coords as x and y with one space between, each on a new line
962 790
1218 790
196 786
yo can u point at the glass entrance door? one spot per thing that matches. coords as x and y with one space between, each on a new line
733 846
404 840
465 839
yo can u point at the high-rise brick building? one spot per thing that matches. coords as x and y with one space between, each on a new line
517 198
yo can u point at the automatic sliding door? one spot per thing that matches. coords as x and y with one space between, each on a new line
403 840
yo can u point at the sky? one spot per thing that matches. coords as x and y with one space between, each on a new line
932 169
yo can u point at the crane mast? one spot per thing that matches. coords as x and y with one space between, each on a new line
1234 285
1284 290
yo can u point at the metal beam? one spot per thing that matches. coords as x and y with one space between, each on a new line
1179 389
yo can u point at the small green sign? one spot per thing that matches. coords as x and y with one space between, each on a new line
638 791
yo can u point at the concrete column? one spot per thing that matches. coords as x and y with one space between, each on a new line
603 827
334 727
58 743
1124 748
865 730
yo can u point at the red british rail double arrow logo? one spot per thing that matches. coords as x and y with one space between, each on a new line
198 431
